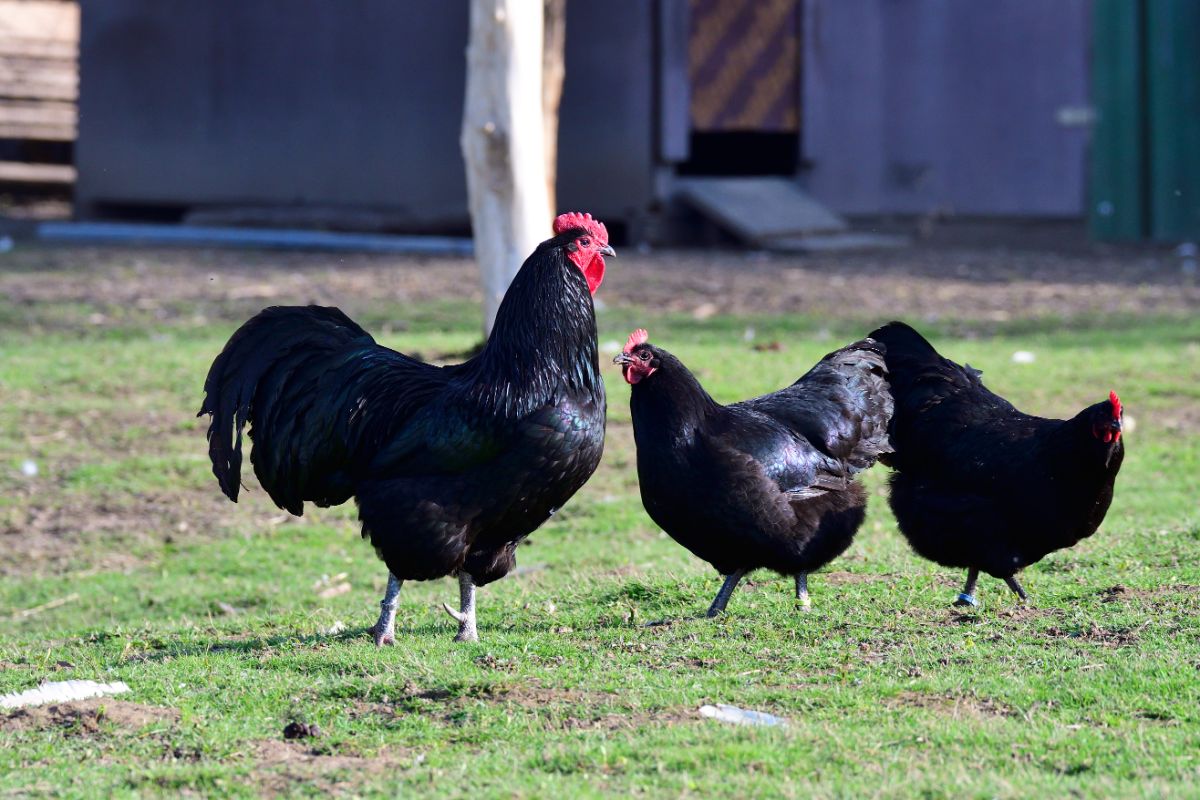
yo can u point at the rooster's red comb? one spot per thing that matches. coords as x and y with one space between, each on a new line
1116 404
637 337
573 219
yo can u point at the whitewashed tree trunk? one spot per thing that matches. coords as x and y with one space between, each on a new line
503 141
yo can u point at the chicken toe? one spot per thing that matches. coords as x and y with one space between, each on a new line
384 630
467 631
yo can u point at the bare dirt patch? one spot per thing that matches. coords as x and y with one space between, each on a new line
839 578
986 282
558 708
630 720
88 717
1024 613
280 767
952 705
1016 613
1175 599
1121 593
102 533
1108 637
528 694
1181 419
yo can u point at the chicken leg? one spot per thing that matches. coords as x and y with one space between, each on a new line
1016 587
731 582
384 630
967 596
467 632
802 591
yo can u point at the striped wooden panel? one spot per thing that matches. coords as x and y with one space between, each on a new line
39 72
744 64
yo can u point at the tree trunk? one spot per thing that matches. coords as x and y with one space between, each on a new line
503 141
554 69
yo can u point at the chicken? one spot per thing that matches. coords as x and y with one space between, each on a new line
767 482
451 467
981 485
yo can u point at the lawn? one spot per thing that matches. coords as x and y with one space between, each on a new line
120 560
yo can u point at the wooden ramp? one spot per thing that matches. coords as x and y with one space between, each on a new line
775 214
39 86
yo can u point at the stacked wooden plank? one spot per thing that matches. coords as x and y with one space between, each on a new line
39 86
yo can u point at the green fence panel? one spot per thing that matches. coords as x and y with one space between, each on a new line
1117 207
1173 102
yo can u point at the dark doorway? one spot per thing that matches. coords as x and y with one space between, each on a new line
741 153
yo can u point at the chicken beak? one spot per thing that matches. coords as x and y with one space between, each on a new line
622 358
607 250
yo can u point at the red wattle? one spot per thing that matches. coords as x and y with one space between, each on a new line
594 274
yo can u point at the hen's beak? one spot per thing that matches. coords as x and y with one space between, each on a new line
1115 425
607 250
622 358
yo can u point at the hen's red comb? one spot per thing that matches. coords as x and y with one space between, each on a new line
637 337
1116 404
573 219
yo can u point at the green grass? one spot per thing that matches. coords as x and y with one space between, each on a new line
215 610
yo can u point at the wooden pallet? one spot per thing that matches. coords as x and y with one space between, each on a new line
39 70
37 174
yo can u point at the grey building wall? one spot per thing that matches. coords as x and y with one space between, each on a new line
355 103
908 105
913 105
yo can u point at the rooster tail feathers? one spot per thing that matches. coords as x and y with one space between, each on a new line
274 344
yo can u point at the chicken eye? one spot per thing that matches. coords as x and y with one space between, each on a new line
585 243
644 356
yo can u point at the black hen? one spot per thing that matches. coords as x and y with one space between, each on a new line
767 482
450 466
981 485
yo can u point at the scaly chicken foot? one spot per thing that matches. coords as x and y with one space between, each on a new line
722 599
1016 587
802 591
967 596
467 632
384 630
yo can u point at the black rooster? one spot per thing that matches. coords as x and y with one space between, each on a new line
451 466
767 482
981 485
